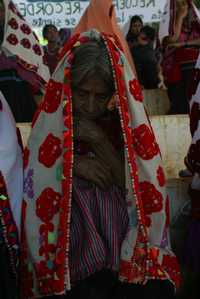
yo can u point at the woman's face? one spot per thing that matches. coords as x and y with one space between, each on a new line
136 27
90 99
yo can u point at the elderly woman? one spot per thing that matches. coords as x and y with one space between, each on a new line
180 34
95 207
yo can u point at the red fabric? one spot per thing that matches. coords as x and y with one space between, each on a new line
186 55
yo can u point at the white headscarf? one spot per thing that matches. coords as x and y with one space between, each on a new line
11 165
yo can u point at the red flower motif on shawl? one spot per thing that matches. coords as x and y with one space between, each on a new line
53 97
160 176
25 43
13 23
152 199
126 270
12 39
25 29
50 150
144 142
47 204
26 157
135 90
194 117
37 50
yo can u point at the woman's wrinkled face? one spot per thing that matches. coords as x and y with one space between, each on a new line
90 99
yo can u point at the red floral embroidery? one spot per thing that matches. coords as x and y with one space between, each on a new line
50 150
136 90
12 39
25 43
47 204
144 142
160 176
53 97
46 248
37 50
25 29
126 270
152 199
26 157
13 23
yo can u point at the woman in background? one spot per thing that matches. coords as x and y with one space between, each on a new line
180 36
135 25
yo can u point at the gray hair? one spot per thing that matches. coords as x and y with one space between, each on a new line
92 59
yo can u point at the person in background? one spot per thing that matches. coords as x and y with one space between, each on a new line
135 25
22 70
11 193
180 37
51 50
64 35
144 56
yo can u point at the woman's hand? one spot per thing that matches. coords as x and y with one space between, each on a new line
88 131
93 170
176 45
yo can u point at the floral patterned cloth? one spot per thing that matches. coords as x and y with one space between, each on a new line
145 250
21 41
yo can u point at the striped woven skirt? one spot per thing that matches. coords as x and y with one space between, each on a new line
98 226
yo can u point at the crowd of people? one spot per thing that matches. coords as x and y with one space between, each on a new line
84 210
